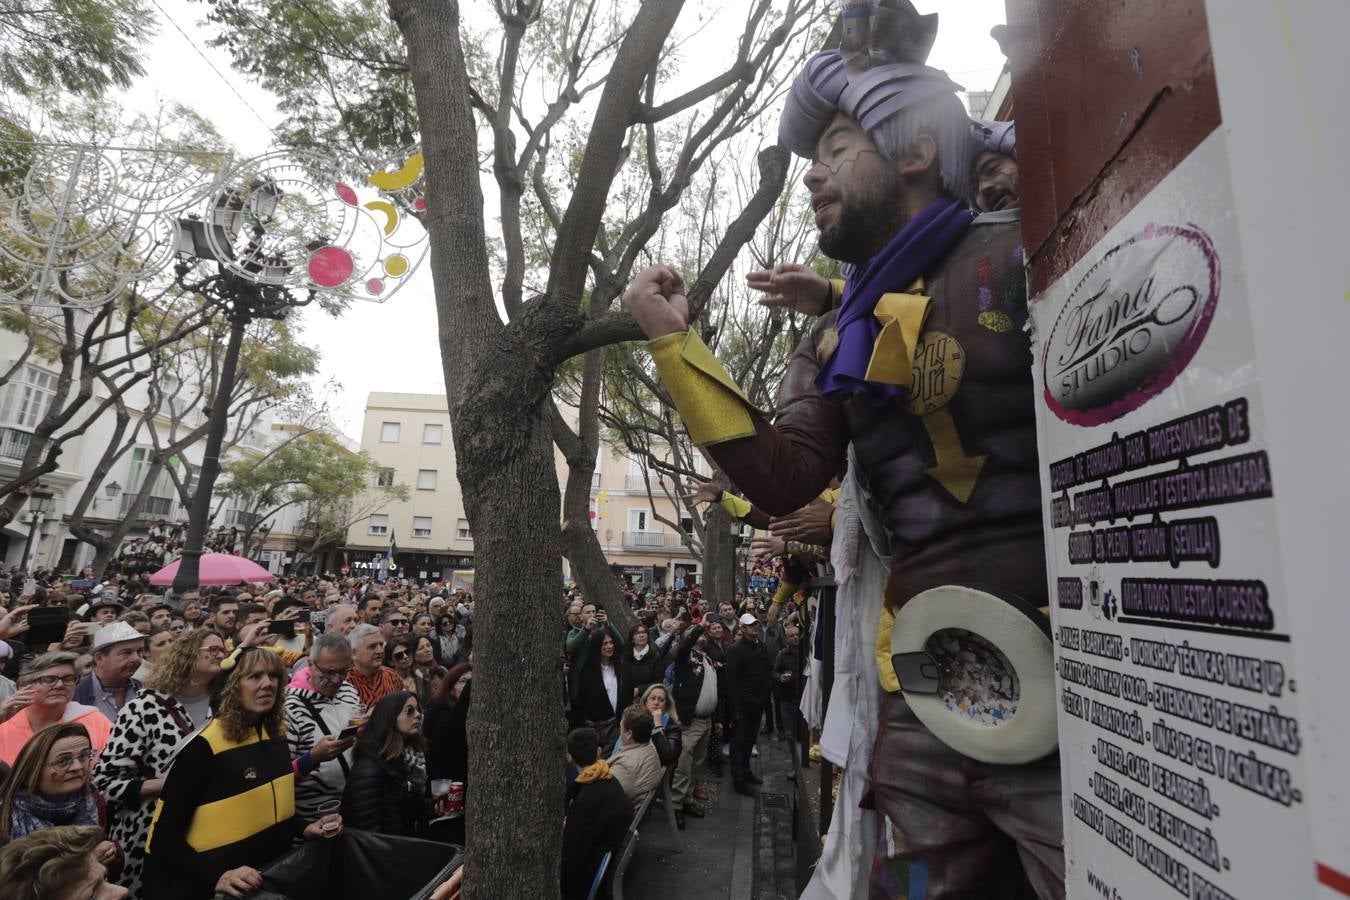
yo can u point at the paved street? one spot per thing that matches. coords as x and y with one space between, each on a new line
742 850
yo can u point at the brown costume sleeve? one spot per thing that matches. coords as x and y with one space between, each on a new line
786 464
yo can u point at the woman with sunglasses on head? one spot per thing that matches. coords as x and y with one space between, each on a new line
175 702
49 786
387 790
227 807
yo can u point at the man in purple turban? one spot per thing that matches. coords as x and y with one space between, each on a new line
925 370
995 168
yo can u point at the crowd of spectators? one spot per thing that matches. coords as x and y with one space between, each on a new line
686 687
130 715
151 723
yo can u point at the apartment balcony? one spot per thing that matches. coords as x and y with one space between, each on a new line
155 507
14 443
635 482
643 540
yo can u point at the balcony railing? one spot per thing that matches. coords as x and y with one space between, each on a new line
14 443
155 507
635 482
643 539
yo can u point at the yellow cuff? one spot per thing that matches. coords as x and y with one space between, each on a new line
785 590
736 507
712 406
901 317
836 292
890 682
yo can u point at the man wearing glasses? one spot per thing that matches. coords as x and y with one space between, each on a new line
315 719
49 681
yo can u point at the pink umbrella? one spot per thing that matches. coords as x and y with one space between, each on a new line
217 568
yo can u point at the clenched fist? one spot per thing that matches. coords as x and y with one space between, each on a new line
656 299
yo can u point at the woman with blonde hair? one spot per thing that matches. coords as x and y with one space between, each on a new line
210 832
667 734
49 786
174 703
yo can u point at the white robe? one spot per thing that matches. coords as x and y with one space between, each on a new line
860 556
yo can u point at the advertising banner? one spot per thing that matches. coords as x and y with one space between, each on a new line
1182 742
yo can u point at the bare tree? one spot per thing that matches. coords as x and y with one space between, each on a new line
499 376
172 416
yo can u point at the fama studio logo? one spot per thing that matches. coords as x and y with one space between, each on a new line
1131 325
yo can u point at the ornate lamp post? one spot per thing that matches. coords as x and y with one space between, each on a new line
241 291
39 504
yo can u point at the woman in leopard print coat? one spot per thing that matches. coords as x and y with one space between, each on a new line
148 732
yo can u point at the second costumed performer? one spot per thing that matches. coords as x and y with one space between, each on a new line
925 368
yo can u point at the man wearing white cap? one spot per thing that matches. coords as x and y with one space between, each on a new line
749 674
112 682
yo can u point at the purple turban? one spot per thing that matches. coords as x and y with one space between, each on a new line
878 71
996 137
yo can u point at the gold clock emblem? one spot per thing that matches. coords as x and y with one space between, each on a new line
939 363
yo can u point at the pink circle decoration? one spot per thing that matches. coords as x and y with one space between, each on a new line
419 204
345 193
591 514
330 266
375 286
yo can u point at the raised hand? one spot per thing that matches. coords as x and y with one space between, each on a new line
701 492
791 286
657 301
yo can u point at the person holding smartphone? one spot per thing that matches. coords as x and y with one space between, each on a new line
318 722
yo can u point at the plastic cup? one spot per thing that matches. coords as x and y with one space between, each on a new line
329 821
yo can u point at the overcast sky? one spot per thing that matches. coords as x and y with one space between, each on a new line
392 346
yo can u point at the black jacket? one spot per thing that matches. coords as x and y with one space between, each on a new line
688 675
749 674
668 742
651 669
787 661
387 797
596 823
446 731
592 703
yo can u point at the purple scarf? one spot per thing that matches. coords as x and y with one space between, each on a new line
923 241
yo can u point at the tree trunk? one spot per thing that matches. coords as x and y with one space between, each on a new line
580 543
719 557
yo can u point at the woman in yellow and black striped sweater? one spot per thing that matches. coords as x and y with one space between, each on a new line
228 806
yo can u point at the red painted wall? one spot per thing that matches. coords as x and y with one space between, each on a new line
1109 97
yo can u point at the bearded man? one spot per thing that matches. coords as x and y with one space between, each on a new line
925 370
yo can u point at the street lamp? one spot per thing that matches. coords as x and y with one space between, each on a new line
243 297
112 489
39 504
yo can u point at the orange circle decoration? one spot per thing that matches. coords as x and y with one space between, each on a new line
396 265
330 266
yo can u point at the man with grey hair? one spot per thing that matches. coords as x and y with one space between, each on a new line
372 679
316 718
341 619
922 366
